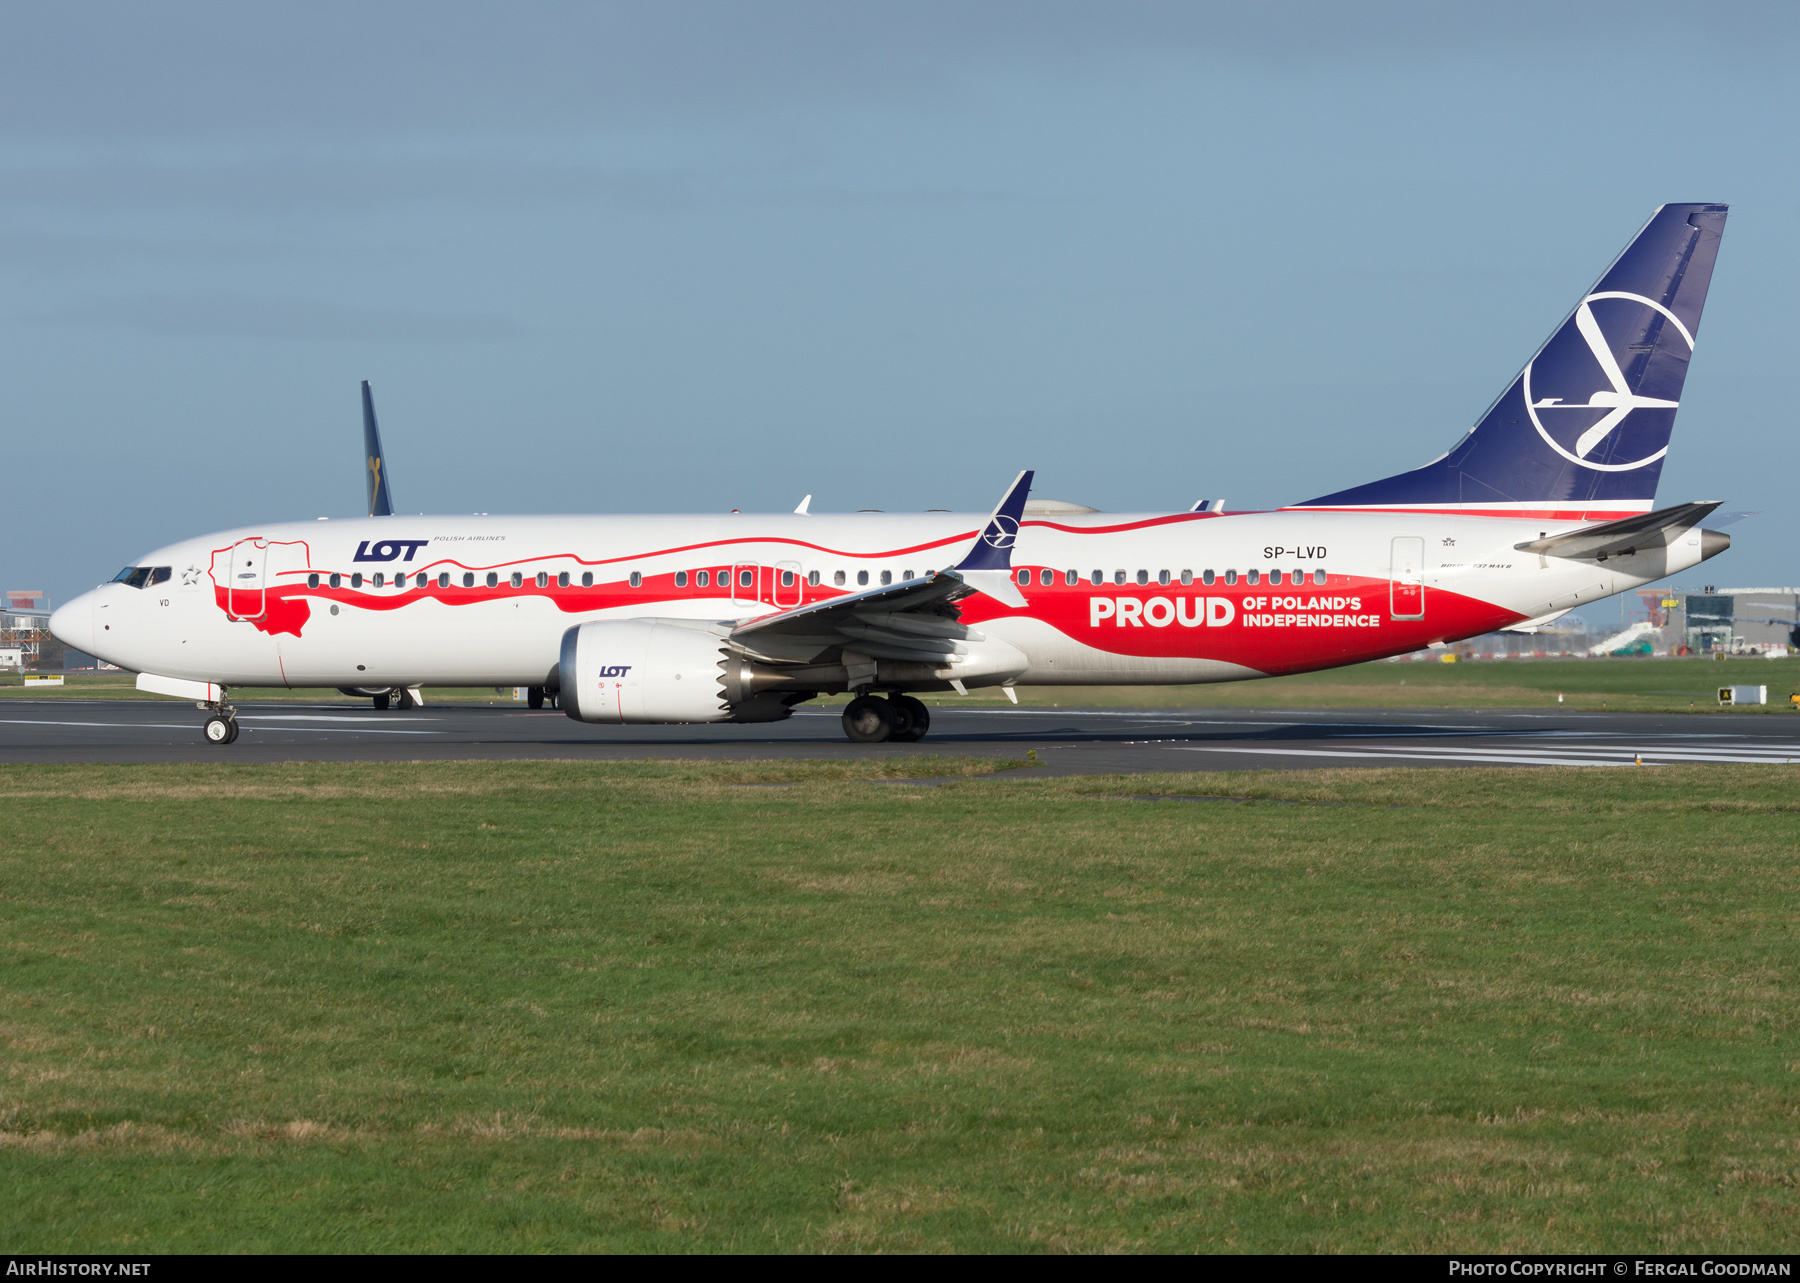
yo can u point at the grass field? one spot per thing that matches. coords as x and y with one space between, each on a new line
1619 685
555 1006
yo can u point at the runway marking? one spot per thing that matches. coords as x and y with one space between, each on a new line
191 726
153 726
320 717
1405 757
326 730
1597 756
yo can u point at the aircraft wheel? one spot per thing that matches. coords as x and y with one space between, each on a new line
534 697
868 720
382 702
911 719
220 730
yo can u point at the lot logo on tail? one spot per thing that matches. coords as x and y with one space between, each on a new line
1594 425
1001 532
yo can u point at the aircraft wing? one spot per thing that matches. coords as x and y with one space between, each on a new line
916 619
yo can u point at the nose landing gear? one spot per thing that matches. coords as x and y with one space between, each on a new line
221 724
899 719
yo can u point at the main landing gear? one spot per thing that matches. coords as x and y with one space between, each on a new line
898 719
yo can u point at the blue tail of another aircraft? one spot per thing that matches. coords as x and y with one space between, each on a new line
1586 423
381 504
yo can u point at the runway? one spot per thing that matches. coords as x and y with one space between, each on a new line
1066 741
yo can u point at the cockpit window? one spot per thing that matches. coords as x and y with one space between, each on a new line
160 575
136 576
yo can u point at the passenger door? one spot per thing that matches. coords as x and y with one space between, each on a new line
789 587
1406 578
245 597
746 585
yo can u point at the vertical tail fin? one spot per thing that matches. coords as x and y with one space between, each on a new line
1586 423
375 478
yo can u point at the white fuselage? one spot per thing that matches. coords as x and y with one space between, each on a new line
1176 601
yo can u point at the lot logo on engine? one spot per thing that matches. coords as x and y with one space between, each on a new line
615 670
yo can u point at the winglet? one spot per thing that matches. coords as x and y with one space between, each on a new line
988 564
381 503
804 505
993 549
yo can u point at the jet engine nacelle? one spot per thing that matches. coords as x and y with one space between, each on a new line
651 671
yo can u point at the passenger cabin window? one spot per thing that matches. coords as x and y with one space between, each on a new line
1231 576
1097 578
587 579
1274 576
1024 577
1071 577
379 582
812 577
837 577
562 579
356 580
1253 577
312 581
1118 576
887 577
1143 576
516 580
787 579
443 579
1206 577
337 581
543 579
746 579
862 577
1046 578
637 579
1318 576
468 579
906 574
493 579
1162 576
1187 577
681 578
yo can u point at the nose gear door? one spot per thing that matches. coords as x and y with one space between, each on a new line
245 597
1406 579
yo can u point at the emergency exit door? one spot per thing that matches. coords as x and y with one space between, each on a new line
1406 578
244 595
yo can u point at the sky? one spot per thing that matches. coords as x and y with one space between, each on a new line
700 256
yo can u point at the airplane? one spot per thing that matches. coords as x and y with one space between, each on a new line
1545 505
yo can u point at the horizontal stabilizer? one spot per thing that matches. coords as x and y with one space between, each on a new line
1620 538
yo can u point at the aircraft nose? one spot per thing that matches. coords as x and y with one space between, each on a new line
72 623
